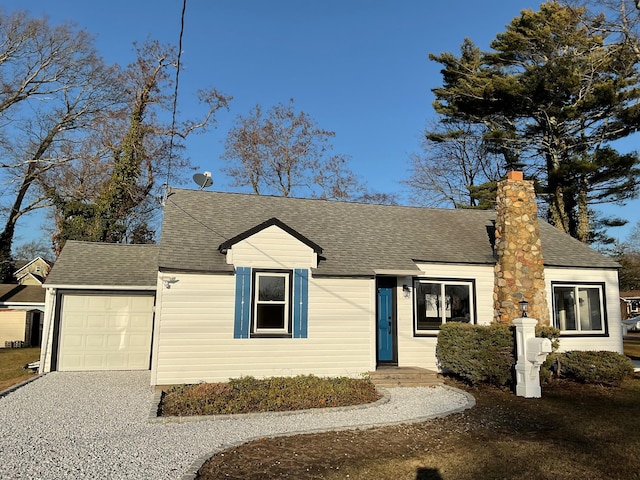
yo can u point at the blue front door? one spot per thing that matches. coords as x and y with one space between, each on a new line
385 324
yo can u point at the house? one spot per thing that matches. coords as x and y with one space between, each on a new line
22 305
257 285
33 272
21 314
630 303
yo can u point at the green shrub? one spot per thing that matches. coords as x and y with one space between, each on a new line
248 394
477 353
604 368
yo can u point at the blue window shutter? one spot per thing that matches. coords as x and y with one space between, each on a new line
243 302
300 302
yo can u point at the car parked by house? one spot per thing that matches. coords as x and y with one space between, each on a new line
632 324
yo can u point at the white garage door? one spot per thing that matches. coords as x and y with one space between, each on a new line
105 332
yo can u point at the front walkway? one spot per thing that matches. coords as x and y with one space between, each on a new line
96 425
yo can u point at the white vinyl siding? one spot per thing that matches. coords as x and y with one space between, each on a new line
12 326
272 248
420 351
195 341
612 340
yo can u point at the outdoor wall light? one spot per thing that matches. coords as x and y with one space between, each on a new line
169 281
524 306
406 290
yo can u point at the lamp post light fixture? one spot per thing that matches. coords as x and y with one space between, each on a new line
524 305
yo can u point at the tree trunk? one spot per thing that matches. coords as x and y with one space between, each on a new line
558 215
582 228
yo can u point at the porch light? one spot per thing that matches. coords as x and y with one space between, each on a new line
406 290
524 306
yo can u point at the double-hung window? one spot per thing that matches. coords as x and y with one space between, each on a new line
442 301
579 308
271 303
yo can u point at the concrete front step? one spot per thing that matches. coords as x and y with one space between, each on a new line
391 377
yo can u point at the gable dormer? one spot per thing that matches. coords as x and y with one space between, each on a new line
271 244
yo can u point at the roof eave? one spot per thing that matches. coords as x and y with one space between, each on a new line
61 286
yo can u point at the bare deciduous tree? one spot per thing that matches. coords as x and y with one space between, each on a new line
454 162
283 152
54 85
131 152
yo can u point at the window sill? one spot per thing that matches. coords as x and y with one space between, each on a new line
425 333
271 335
583 334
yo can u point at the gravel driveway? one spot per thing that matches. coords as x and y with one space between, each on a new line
95 425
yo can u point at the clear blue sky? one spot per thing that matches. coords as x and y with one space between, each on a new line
358 67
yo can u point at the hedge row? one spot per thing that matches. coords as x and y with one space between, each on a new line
477 354
486 354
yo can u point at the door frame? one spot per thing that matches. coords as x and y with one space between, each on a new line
392 284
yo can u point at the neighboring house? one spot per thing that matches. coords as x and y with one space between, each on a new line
33 272
263 286
630 303
21 314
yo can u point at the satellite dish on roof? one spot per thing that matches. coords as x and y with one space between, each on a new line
203 180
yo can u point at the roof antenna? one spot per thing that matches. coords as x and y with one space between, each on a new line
203 180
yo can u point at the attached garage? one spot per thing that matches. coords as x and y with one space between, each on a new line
99 308
105 332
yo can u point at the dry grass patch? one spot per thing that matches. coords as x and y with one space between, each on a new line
574 432
11 362
275 394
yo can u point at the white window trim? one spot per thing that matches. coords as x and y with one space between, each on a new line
443 283
287 303
576 287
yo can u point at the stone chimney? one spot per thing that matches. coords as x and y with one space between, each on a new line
519 270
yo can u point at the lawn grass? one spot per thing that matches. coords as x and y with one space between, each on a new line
574 432
11 362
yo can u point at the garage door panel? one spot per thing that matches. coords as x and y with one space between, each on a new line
91 362
117 342
95 341
97 302
96 321
120 321
138 322
105 332
74 341
75 321
137 340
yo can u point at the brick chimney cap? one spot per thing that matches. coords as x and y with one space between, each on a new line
515 175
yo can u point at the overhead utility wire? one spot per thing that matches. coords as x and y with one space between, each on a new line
175 99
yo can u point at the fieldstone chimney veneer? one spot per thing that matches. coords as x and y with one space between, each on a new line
519 270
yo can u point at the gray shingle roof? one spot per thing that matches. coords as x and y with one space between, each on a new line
356 239
95 264
11 293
